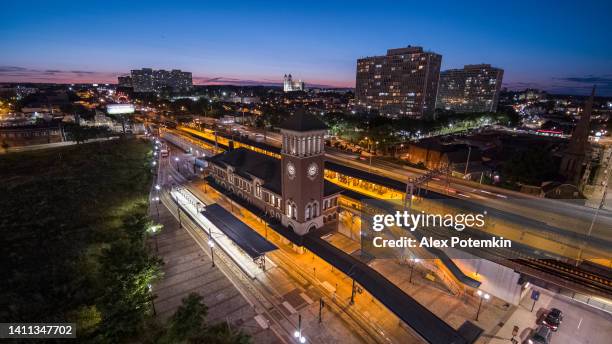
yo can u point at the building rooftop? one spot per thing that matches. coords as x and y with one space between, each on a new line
249 164
303 121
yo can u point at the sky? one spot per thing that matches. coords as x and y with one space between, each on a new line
560 46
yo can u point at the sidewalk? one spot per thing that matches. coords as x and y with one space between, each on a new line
188 269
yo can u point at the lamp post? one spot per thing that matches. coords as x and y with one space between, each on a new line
152 301
156 200
321 305
177 164
298 334
211 244
414 261
482 296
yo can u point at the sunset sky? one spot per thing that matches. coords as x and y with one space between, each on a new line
560 46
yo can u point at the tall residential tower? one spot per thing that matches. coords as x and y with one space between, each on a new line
149 80
402 83
475 88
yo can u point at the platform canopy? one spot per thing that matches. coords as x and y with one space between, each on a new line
242 235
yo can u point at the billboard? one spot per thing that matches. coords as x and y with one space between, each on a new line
118 109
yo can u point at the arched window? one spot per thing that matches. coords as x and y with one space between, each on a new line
294 211
307 213
289 209
257 190
315 209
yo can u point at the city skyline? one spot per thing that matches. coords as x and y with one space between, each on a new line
247 44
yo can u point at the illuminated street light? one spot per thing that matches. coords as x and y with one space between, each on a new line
483 296
152 302
157 187
211 244
298 333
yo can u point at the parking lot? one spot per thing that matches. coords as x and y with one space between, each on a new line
581 323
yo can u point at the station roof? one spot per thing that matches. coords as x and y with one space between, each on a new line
360 174
247 239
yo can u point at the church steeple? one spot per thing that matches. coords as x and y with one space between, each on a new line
575 156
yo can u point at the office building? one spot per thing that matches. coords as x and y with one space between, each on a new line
402 83
149 80
475 88
289 85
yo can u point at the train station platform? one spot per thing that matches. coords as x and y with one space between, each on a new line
423 322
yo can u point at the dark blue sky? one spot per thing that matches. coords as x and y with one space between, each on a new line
561 46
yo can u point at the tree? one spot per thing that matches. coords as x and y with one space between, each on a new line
532 166
187 323
223 333
126 272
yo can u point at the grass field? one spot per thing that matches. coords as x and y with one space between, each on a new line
62 213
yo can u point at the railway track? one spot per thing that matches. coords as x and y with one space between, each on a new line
570 273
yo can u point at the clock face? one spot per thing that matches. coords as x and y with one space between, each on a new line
312 171
290 170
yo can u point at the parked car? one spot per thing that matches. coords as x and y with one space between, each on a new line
553 319
540 336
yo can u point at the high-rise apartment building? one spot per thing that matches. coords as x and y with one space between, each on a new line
402 83
149 80
475 88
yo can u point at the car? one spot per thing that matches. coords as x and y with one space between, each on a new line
553 319
540 336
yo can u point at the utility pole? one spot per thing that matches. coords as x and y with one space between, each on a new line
353 293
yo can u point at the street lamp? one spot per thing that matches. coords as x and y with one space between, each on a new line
156 199
414 261
157 187
177 161
211 244
482 296
298 334
152 301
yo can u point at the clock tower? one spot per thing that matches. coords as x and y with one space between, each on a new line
302 161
